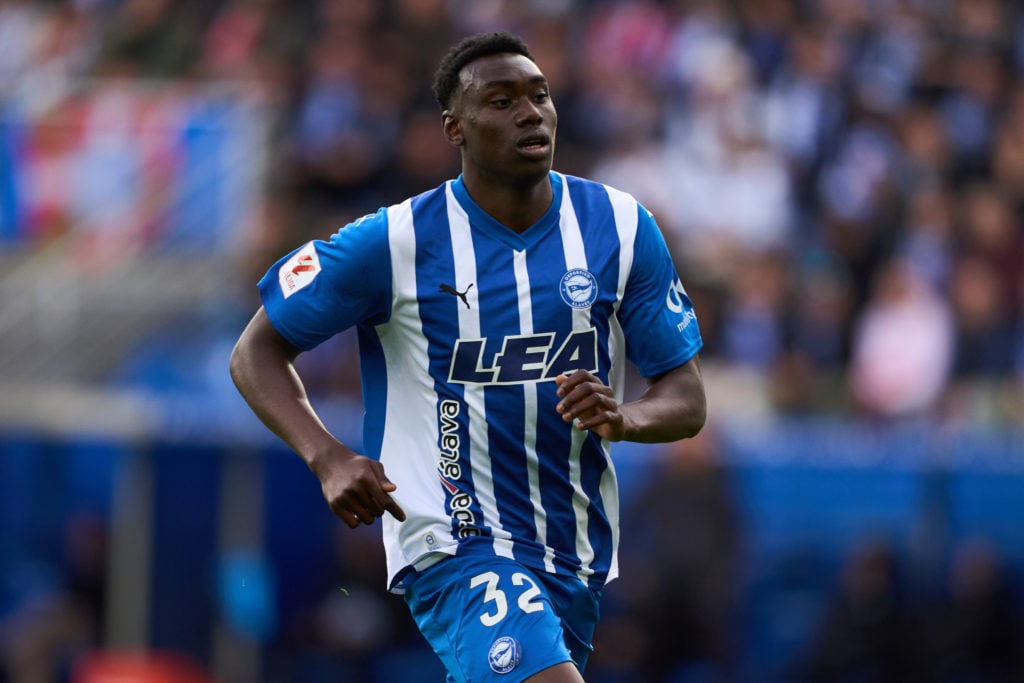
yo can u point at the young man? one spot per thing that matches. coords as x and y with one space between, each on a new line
494 315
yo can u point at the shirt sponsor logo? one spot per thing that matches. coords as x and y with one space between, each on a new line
504 655
674 298
523 358
448 460
298 271
449 469
688 318
578 288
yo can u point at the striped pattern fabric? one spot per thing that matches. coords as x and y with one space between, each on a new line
463 326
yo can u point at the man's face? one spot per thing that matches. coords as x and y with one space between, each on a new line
503 119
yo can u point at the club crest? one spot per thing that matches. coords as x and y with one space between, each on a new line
504 655
579 288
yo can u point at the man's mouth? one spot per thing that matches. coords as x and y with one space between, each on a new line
534 144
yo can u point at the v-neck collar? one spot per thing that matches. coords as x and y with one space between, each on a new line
481 220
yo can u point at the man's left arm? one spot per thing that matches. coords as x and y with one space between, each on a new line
672 407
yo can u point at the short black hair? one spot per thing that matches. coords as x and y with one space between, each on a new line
469 49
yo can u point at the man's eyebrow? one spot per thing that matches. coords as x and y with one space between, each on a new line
509 83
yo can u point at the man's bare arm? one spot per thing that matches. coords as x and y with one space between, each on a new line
262 367
673 407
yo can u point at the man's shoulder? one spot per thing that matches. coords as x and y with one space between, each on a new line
433 193
379 219
581 185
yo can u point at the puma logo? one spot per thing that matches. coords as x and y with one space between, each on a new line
451 290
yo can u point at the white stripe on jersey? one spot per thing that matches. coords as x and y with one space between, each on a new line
576 257
469 328
624 208
409 413
540 517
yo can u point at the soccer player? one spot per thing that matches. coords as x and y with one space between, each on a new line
494 316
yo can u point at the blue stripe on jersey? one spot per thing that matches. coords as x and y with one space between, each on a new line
593 466
375 393
439 315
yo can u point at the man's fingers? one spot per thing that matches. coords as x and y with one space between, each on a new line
586 405
395 509
389 503
350 520
372 500
362 494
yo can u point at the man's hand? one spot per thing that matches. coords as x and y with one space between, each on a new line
263 369
587 399
357 490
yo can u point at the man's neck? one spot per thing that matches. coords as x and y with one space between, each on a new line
515 207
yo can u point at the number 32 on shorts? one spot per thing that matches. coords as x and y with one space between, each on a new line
525 601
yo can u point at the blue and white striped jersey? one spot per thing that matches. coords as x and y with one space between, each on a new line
463 325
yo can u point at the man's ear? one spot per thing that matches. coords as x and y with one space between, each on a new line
452 127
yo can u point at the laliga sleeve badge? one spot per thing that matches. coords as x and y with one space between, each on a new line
504 655
298 271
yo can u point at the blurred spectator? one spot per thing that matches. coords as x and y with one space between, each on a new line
863 635
257 41
334 144
681 549
41 639
730 188
984 332
927 158
804 377
928 242
990 228
46 45
819 306
805 102
426 159
902 346
975 630
151 39
856 188
752 325
1008 149
343 636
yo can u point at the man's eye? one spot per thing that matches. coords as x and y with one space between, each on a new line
501 102
542 97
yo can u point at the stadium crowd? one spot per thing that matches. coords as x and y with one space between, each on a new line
841 182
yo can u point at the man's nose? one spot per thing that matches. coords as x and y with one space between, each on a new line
528 112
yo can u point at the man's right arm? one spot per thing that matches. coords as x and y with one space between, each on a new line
263 370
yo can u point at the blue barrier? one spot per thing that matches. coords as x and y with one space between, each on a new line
805 497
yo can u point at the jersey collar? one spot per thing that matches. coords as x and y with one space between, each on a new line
483 221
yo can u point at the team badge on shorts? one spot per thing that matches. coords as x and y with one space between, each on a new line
504 654
579 288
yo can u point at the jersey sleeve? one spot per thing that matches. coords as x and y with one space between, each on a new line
324 287
657 315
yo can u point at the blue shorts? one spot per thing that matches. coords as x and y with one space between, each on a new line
487 616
